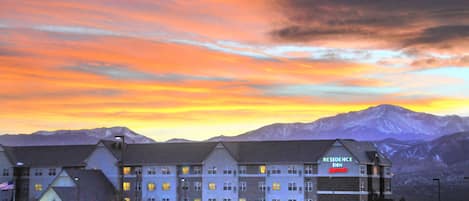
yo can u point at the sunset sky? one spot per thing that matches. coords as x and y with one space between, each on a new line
196 69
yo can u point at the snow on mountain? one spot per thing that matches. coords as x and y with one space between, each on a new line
70 137
375 123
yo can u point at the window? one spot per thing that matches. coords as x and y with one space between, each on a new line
261 186
242 199
227 171
226 199
275 199
292 169
212 170
166 186
197 170
212 186
362 170
52 172
151 199
151 186
275 170
227 186
291 199
165 199
242 169
276 186
138 186
362 186
138 170
126 199
126 170
375 170
387 186
6 171
292 186
197 199
309 186
242 186
126 186
308 169
151 171
38 172
38 187
262 169
185 170
165 171
184 185
212 199
387 171
197 186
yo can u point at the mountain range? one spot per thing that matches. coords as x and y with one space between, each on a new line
71 137
375 123
421 146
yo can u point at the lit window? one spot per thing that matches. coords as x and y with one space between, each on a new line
262 169
151 186
375 170
242 199
126 186
212 186
197 199
166 186
185 170
38 187
276 186
126 199
126 170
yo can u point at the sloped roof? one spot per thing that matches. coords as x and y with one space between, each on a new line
64 155
66 193
361 151
167 153
278 151
93 185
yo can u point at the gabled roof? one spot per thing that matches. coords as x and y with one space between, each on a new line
44 156
361 151
93 185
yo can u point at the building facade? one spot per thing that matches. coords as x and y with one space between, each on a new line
314 170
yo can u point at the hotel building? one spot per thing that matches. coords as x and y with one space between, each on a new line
312 170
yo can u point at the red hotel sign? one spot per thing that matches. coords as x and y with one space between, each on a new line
338 170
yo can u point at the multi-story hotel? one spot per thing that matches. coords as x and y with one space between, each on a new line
316 170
